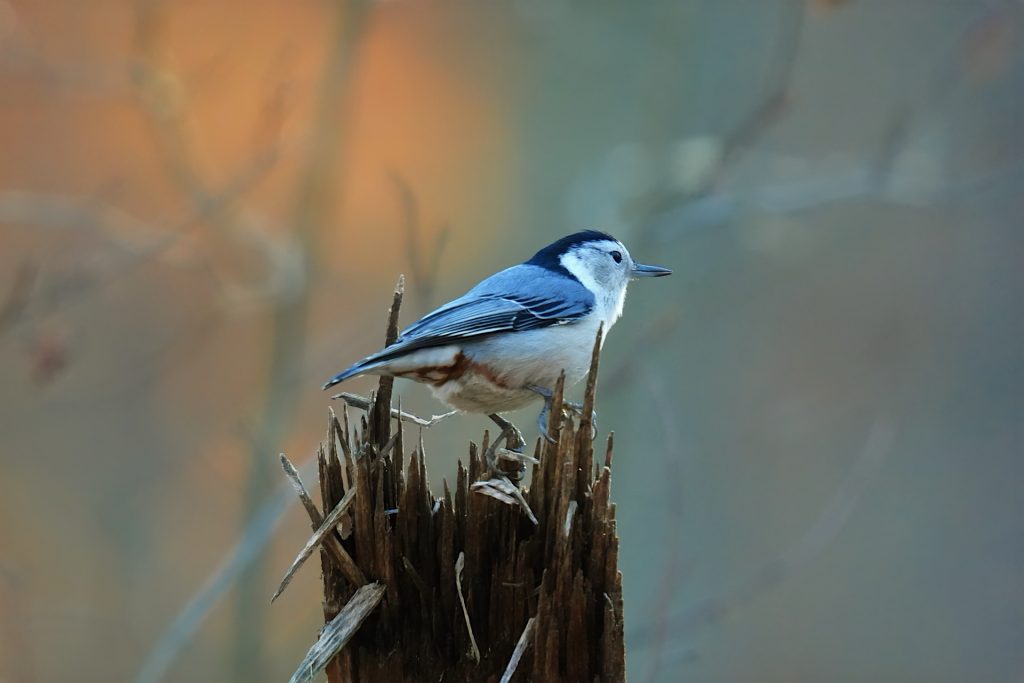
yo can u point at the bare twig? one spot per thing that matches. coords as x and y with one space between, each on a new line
336 634
327 527
345 562
364 403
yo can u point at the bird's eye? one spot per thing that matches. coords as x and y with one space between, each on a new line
617 255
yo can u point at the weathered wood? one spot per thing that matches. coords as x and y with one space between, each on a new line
380 416
519 586
330 541
337 633
517 654
325 529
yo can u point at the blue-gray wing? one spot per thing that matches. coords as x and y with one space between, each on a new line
487 315
520 298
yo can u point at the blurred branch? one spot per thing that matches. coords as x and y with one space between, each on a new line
258 532
66 212
138 241
161 95
318 190
16 301
715 161
15 620
877 179
672 458
773 104
794 197
825 529
424 269
18 55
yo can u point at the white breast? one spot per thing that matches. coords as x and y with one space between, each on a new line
538 356
501 367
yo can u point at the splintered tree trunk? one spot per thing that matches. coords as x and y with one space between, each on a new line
464 587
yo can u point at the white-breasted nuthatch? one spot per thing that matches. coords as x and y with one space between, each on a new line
504 343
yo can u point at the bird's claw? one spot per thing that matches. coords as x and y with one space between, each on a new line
514 440
542 421
577 410
513 452
569 408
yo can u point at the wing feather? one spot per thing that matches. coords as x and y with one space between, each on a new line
520 298
476 316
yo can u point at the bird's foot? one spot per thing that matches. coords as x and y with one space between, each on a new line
514 440
506 467
512 454
569 408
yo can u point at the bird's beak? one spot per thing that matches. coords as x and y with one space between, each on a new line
640 270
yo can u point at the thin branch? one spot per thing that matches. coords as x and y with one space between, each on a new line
825 529
14 304
179 632
364 403
326 528
334 547
424 269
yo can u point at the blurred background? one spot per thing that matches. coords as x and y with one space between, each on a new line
204 208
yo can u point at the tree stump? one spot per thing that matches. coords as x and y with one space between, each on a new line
463 587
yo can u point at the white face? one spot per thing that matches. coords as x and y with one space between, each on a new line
603 267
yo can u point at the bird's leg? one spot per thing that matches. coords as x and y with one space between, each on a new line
542 419
567 407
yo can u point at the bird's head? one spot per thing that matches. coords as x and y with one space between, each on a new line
597 260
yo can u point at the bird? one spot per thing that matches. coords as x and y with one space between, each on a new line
503 344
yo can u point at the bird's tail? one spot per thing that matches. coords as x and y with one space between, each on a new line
380 360
360 368
342 376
